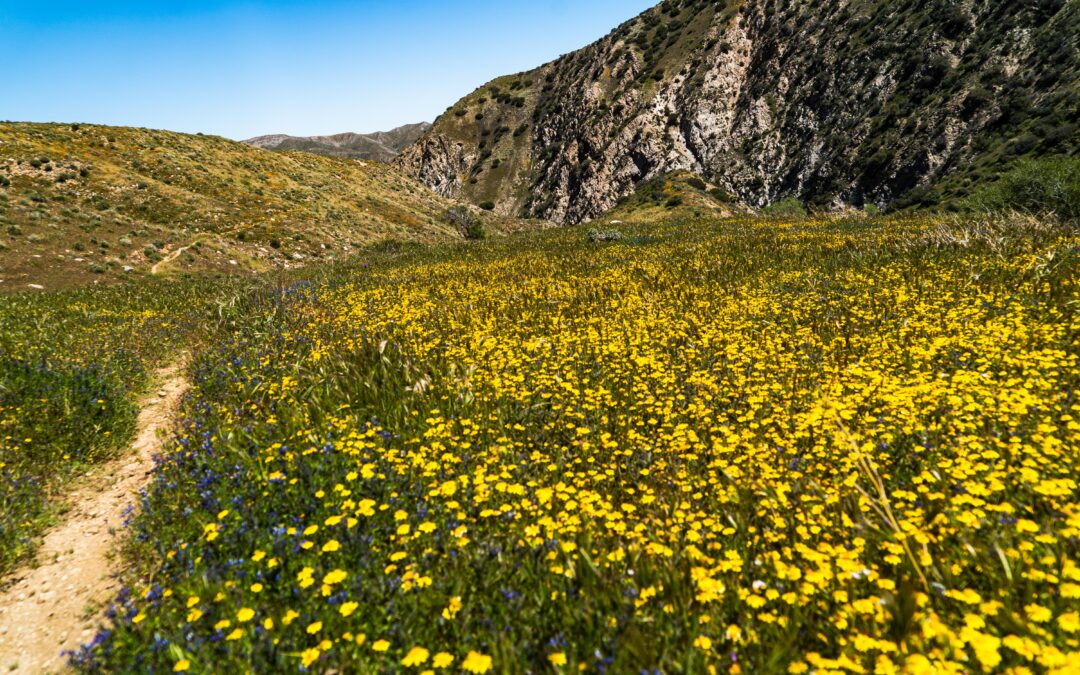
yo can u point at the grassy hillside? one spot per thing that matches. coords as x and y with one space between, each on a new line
86 204
759 446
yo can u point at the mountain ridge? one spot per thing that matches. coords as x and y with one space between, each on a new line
851 104
380 146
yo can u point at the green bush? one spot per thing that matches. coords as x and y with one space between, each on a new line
1048 185
466 223
721 195
487 206
475 231
787 208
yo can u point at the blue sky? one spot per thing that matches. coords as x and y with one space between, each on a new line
241 69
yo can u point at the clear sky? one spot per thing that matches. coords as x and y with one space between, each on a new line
246 68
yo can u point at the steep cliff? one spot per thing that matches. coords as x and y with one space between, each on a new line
843 102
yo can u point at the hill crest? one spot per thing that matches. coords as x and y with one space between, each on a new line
381 146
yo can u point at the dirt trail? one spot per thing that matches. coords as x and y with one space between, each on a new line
57 605
156 269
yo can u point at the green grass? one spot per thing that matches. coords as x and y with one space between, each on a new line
1048 186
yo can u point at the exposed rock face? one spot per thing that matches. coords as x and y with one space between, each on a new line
382 146
834 103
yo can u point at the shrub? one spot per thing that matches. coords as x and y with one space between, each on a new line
458 216
475 231
696 183
466 223
604 236
787 208
1048 185
673 202
488 205
721 195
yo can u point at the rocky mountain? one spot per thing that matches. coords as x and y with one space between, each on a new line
846 102
382 146
84 204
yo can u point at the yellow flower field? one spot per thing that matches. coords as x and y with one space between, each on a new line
735 446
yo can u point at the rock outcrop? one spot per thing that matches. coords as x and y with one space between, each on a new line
833 103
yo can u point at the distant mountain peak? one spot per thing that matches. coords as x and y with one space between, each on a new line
381 146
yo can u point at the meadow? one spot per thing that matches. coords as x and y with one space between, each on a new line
730 446
72 367
703 446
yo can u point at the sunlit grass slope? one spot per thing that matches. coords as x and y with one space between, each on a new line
81 204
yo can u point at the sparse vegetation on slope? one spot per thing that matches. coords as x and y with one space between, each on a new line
679 194
81 204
